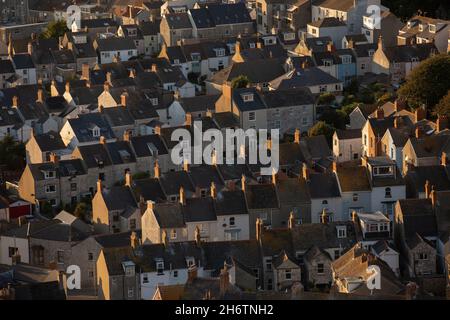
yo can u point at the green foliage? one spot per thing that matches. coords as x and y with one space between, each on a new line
428 83
240 82
12 154
322 128
326 99
384 98
81 210
352 88
443 107
404 9
55 29
334 118
348 108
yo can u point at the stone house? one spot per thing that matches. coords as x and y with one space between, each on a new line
317 264
175 27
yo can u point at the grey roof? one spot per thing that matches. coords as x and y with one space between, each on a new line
114 258
202 18
115 240
6 66
341 5
199 209
407 53
362 50
169 215
303 78
261 196
230 203
348 134
417 177
199 103
229 13
82 126
149 189
118 116
202 176
178 20
120 152
118 198
23 61
323 185
145 146
382 245
328 22
64 168
418 217
226 120
149 28
317 44
245 106
98 23
172 181
9 117
49 141
115 44
95 155
288 98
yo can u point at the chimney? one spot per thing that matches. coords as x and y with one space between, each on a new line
324 216
128 179
350 44
157 170
420 113
354 216
334 166
259 228
224 280
291 221
305 64
154 67
30 48
109 77
259 45
330 46
40 95
443 159
433 197
396 122
192 274
99 185
182 197
67 86
243 183
188 120
297 136
165 238
85 72
411 291
418 132
127 135
106 86
54 158
380 113
274 177
186 166
123 99
134 240
100 108
150 205
197 236
441 123
237 48
102 140
427 189
380 43
132 74
305 172
158 130
15 101
213 190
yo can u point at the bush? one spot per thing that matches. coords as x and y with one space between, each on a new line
326 98
240 82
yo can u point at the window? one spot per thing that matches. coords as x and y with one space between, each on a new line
247 97
73 187
60 256
175 273
342 232
373 227
52 202
387 193
129 271
355 197
38 255
288 274
91 274
232 221
320 268
365 140
363 66
382 171
324 202
323 88
130 292
269 264
145 278
90 256
251 116
96 132
160 267
173 234
49 174
337 254
50 189
384 227
12 251
423 256
203 193
327 63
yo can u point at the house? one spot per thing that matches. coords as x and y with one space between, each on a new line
349 11
40 147
152 37
307 46
132 31
7 71
372 132
351 40
421 29
115 209
317 264
96 26
316 80
287 271
53 183
388 253
347 145
419 180
82 48
328 27
115 49
117 276
374 227
364 57
25 69
40 52
13 207
359 115
273 16
216 21
9 121
415 234
399 61
387 26
175 27
351 274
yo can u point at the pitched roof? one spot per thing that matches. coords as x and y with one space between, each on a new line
287 98
178 20
86 122
353 178
417 177
348 134
23 61
199 103
328 22
256 103
230 203
261 196
118 198
115 44
418 217
407 53
323 185
303 78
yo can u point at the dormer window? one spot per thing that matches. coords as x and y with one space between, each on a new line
195 56
160 266
432 28
346 59
327 63
247 97
383 171
129 268
176 61
220 52
190 261
252 45
173 234
414 59
387 193
96 132
341 232
49 174
371 52
154 101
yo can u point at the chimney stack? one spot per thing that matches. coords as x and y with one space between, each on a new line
380 113
134 240
213 190
99 185
427 189
334 166
85 72
106 86
305 172
380 43
243 183
100 108
15 101
158 130
154 67
186 166
128 179
127 136
197 236
165 238
354 216
150 205
182 197
157 170
30 48
418 132
123 99
192 274
224 281
237 48
259 44
433 197
324 216
40 95
396 122
420 113
102 140
297 136
259 228
443 159
109 77
67 86
188 121
54 158
330 46
291 221
274 177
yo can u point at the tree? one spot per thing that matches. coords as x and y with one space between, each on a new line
12 154
322 128
240 82
443 107
428 83
55 29
326 98
81 210
334 118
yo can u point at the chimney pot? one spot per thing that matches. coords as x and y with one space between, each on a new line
156 168
102 140
123 99
150 204
67 86
128 179
99 185
182 197
444 159
297 136
213 190
54 158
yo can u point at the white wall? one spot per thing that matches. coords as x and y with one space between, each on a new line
343 149
241 222
364 202
334 205
378 197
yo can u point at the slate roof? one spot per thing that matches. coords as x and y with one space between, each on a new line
120 152
261 196
172 181
303 78
178 20
417 177
115 44
199 209
144 146
9 117
199 103
323 185
64 168
245 106
287 98
230 203
149 189
114 240
98 23
293 190
202 176
353 178
49 141
229 13
149 28
408 52
418 216
348 134
328 22
23 61
84 122
95 155
6 66
114 257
